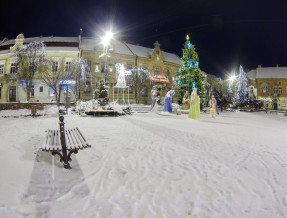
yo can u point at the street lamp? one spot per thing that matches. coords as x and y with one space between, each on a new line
106 41
232 78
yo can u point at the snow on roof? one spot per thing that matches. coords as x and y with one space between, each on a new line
147 52
170 57
90 44
140 51
268 73
120 47
251 74
44 39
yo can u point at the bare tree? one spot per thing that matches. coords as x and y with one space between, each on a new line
139 79
55 74
81 73
30 59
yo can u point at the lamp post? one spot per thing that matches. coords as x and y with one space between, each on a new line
105 41
231 79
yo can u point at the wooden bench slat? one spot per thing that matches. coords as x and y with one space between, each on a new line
73 134
84 140
73 137
78 137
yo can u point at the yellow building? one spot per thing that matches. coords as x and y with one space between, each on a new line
11 89
161 65
270 85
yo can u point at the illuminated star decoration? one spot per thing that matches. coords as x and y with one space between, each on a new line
196 64
189 45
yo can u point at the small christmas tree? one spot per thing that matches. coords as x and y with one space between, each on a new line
189 75
242 89
101 93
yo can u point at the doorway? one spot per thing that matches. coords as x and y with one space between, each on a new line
12 94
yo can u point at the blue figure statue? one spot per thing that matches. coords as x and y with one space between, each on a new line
167 101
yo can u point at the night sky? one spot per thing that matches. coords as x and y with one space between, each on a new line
226 33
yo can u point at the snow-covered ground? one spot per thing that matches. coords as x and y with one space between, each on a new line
147 165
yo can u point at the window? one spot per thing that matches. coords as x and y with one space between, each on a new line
264 88
68 66
129 67
51 91
1 69
13 68
280 90
275 90
55 66
97 69
32 92
41 89
89 67
103 67
167 74
110 69
87 87
67 89
156 71
144 91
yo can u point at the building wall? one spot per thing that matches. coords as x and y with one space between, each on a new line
148 63
271 83
93 56
8 58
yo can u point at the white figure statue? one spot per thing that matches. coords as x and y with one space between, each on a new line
122 73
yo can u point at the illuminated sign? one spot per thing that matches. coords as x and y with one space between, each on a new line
159 79
67 82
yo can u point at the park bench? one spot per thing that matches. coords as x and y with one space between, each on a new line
272 111
64 140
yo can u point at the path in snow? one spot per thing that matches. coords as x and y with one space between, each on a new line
147 165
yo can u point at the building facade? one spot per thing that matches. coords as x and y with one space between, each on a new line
161 65
270 85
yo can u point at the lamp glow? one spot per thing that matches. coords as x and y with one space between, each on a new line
107 38
232 78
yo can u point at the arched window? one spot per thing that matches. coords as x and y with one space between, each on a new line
156 71
264 88
167 73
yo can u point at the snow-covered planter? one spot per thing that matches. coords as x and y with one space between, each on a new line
86 107
82 107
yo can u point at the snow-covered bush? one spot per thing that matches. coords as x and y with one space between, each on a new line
84 106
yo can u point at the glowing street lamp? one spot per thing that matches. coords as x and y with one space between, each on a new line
106 41
232 78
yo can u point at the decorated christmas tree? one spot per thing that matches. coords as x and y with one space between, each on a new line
189 76
101 93
242 89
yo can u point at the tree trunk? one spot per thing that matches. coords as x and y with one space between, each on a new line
28 94
59 96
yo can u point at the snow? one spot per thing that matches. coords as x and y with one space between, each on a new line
268 73
147 165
